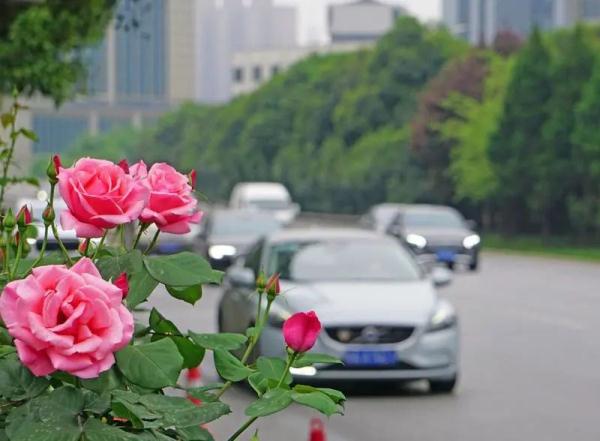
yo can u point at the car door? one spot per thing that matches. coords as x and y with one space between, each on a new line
241 301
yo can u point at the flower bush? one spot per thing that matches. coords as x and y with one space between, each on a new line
74 364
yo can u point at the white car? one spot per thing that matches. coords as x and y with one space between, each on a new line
271 197
380 311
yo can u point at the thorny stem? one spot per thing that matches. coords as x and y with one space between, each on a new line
100 244
139 235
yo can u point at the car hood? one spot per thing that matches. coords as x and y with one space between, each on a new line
441 236
352 302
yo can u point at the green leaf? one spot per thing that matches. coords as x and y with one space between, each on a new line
95 403
7 350
28 134
260 384
318 401
224 340
274 400
106 382
94 430
195 433
229 367
334 394
6 119
273 368
310 359
151 365
5 338
192 353
180 412
140 417
141 284
182 269
189 294
18 383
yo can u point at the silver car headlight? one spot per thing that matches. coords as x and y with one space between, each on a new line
471 241
416 240
444 317
219 251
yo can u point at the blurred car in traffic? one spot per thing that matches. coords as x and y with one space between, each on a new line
37 206
270 197
380 216
226 234
437 233
380 312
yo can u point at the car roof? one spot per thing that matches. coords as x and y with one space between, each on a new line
322 233
427 207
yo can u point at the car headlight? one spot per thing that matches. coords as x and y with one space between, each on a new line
416 240
220 251
444 317
471 241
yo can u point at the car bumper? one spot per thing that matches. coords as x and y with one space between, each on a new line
429 356
461 257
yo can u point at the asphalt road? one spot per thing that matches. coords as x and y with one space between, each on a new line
530 364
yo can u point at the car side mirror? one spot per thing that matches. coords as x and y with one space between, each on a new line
441 276
241 277
471 224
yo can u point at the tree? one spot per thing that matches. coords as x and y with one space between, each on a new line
584 203
465 76
553 169
517 141
41 42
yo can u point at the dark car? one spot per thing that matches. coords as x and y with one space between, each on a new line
439 233
226 234
379 216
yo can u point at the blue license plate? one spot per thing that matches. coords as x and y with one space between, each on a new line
370 358
446 255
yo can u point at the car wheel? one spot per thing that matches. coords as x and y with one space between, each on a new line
474 265
450 265
442 386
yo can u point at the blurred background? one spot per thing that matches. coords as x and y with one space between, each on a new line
487 106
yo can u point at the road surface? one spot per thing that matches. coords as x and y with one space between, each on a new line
530 364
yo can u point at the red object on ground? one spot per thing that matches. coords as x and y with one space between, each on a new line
193 376
317 430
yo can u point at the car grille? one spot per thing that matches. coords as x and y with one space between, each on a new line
370 334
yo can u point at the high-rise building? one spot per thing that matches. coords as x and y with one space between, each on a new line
230 26
136 73
479 21
361 21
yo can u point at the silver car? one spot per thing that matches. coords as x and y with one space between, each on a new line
380 311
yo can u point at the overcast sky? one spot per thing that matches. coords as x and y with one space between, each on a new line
312 14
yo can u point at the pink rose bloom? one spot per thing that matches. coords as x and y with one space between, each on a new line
66 319
172 206
99 195
301 330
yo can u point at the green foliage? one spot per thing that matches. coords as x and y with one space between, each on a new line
41 44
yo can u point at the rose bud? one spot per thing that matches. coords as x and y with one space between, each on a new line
261 283
301 330
23 216
9 221
122 283
124 165
48 215
85 247
192 179
272 286
53 169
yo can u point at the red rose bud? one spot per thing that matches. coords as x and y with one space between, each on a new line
122 283
272 286
124 165
301 330
83 247
53 169
192 179
48 215
24 216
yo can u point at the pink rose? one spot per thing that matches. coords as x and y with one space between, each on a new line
99 195
172 206
301 330
66 319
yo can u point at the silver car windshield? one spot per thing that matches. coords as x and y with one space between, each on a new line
379 260
442 219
